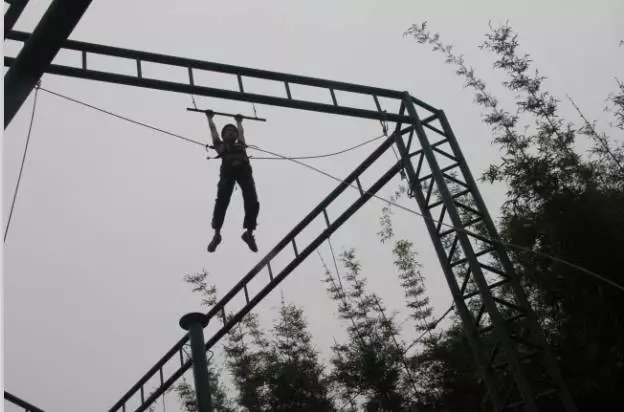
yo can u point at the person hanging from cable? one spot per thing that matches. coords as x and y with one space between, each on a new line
235 168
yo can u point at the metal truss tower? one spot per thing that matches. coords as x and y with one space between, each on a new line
514 360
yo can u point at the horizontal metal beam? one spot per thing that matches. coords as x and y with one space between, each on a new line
191 65
218 93
38 52
223 68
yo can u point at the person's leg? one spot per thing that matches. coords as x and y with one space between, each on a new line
252 207
224 194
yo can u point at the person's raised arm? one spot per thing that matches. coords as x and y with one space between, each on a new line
239 125
213 127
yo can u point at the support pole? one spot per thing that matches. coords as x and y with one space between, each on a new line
38 52
195 323
12 14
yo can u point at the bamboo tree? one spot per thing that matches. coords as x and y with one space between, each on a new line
295 378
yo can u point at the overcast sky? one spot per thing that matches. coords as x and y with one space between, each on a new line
111 216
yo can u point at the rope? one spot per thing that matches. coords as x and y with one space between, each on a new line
193 100
320 156
294 160
19 177
500 242
254 109
124 118
348 149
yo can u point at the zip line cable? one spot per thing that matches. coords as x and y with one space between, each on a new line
495 241
71 99
321 156
19 177
458 229
124 118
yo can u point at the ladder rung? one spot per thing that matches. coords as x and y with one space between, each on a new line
455 196
441 218
443 153
295 247
444 169
462 289
240 83
468 208
191 79
420 162
453 179
429 192
470 223
492 286
480 315
326 217
359 185
288 90
333 96
377 103
478 254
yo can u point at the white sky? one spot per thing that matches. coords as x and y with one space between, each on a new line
110 216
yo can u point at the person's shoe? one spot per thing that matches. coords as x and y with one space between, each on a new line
216 239
248 238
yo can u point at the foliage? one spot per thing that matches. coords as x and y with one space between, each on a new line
296 379
246 361
413 284
279 372
560 203
371 368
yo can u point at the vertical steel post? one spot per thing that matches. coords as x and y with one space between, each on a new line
500 329
38 52
471 333
195 323
547 357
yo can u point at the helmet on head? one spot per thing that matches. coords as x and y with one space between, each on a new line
229 132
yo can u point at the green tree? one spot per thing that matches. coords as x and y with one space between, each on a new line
559 203
295 377
218 394
246 359
370 368
447 374
412 281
